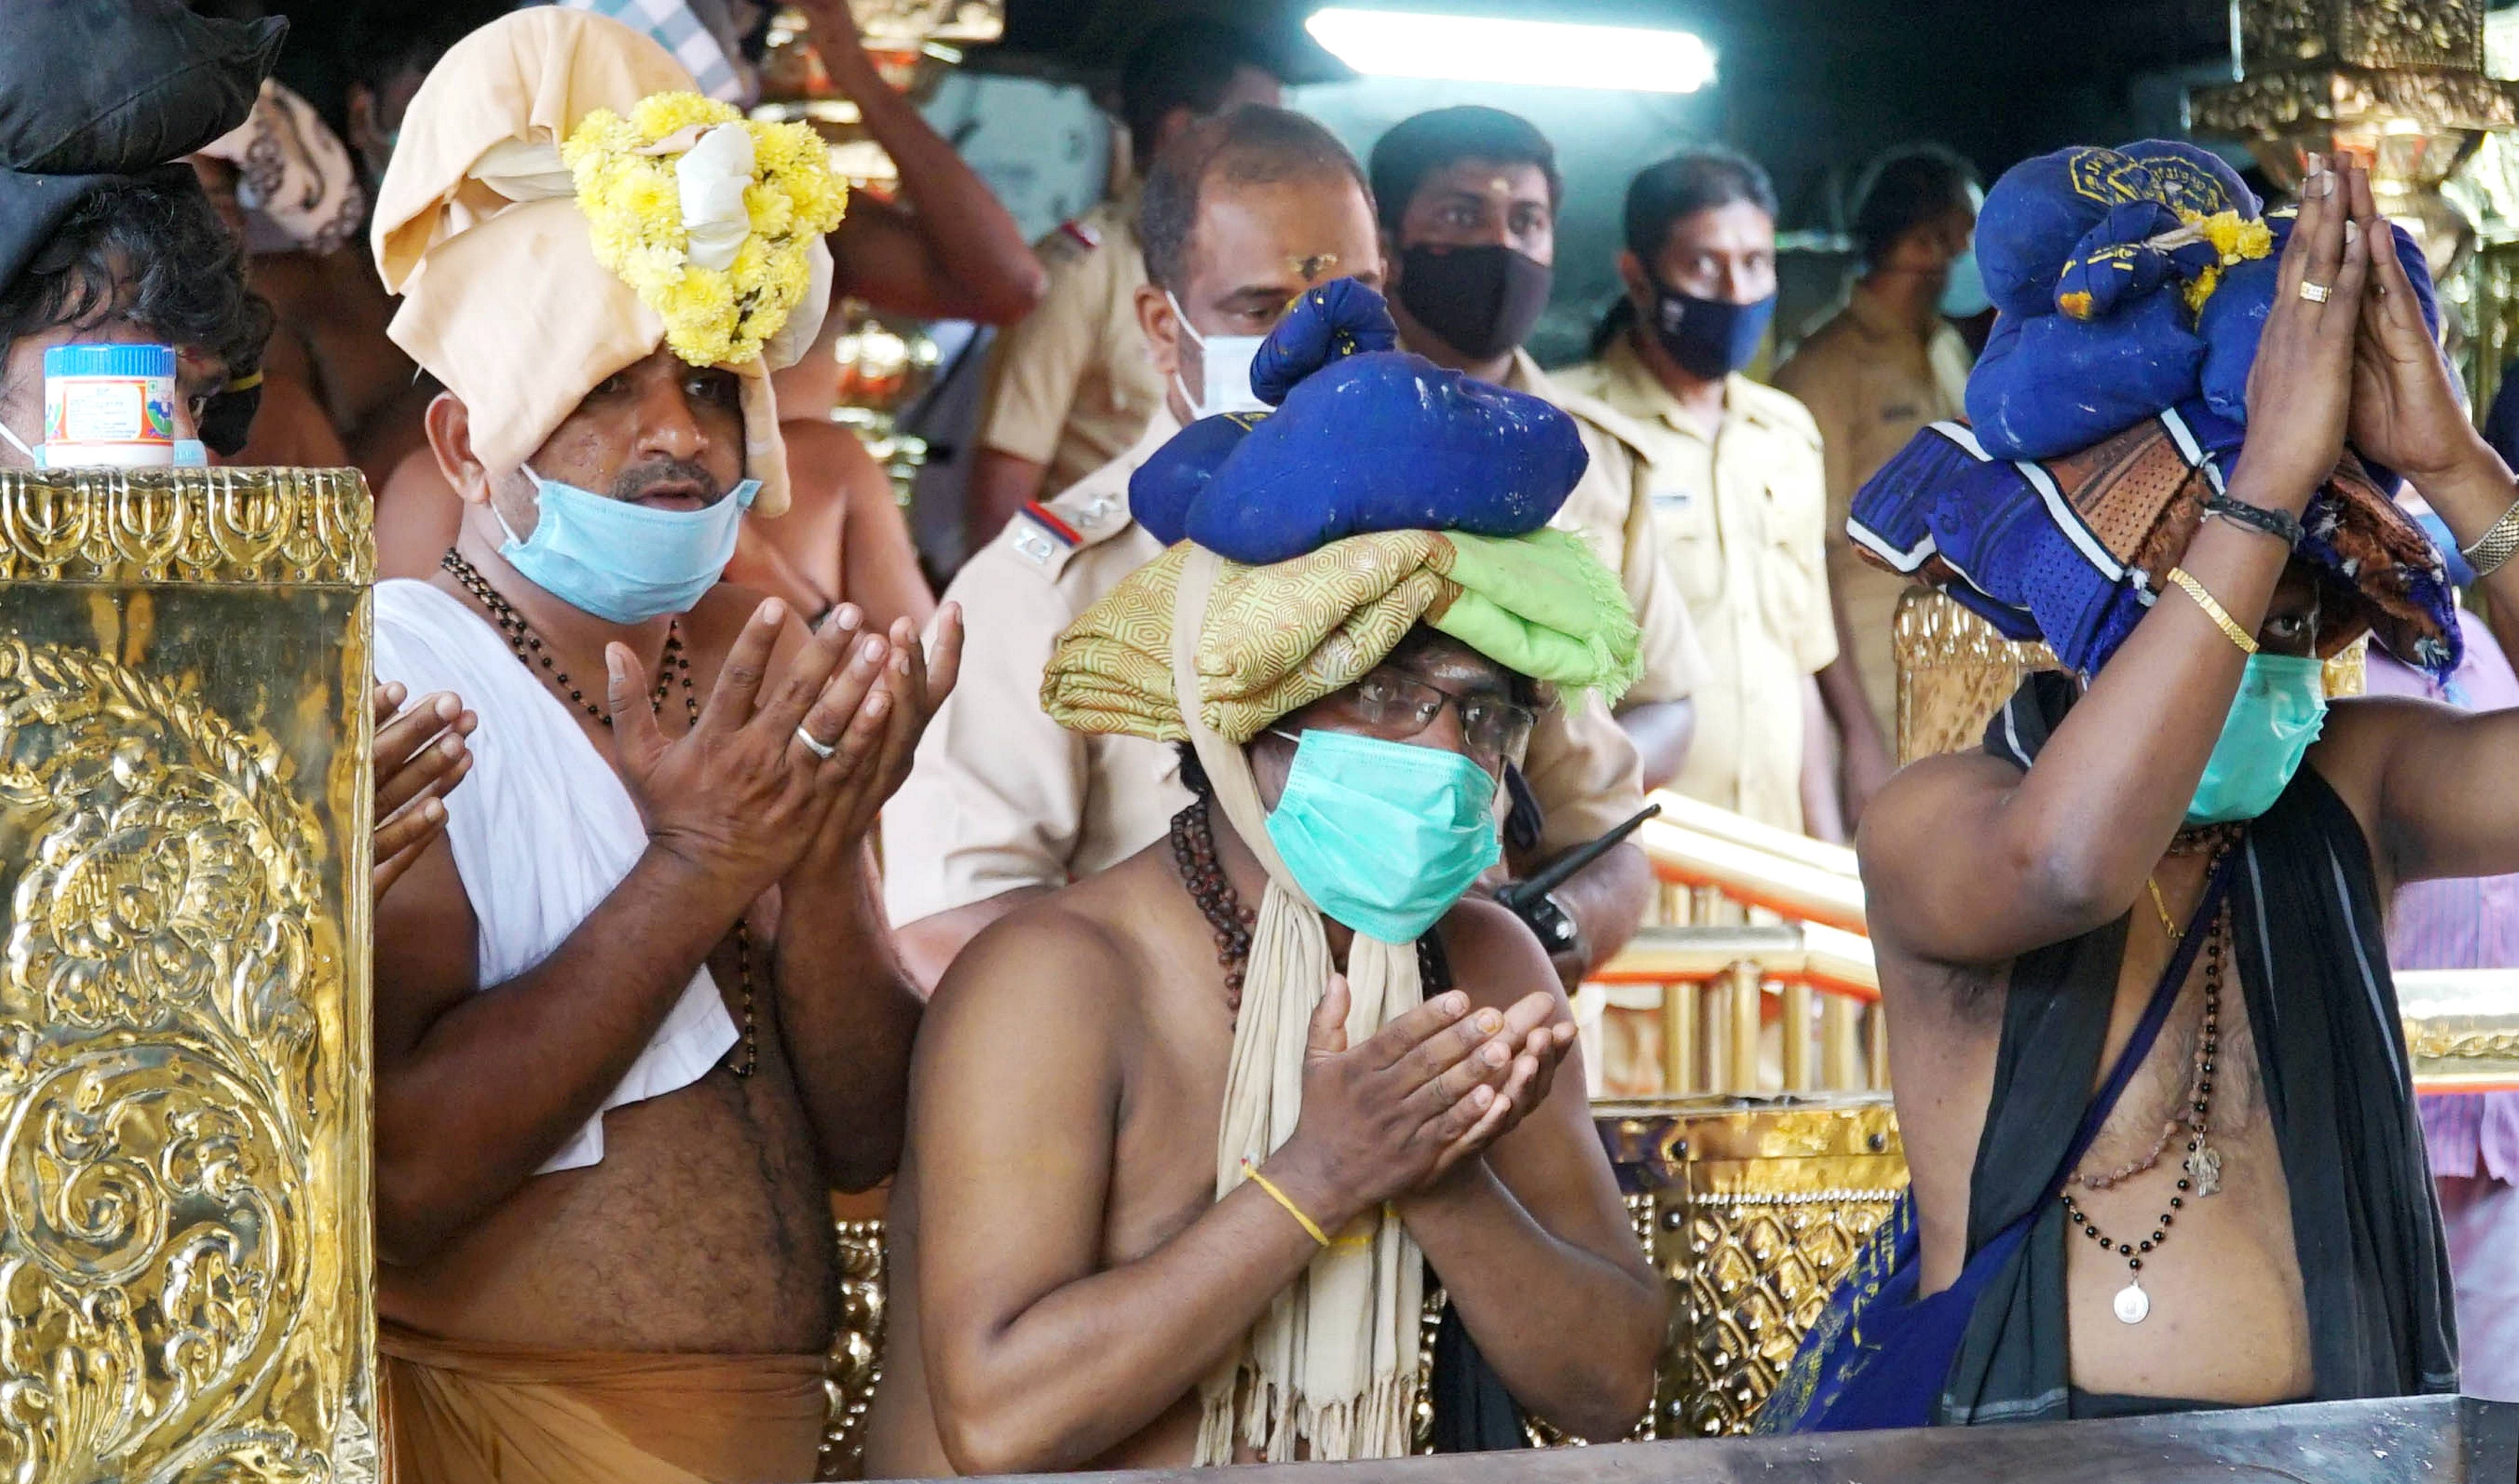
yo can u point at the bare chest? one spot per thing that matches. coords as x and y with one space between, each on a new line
705 1228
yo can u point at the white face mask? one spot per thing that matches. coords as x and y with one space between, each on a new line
1226 361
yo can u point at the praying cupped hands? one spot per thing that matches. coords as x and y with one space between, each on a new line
1435 1086
746 793
420 755
2301 386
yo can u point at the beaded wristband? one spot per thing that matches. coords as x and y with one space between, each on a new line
2283 525
2181 578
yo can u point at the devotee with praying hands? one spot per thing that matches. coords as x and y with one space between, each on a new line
636 1013
2143 1036
1242 214
1244 1090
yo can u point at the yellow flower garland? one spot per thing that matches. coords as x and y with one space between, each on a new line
632 205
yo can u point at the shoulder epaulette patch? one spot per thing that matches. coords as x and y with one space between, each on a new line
1082 236
1040 535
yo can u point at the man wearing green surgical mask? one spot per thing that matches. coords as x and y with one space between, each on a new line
2189 855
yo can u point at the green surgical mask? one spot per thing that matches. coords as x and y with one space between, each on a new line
1383 836
2280 710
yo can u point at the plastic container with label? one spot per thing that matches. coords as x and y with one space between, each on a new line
110 406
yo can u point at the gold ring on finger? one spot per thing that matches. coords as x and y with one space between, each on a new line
820 748
2316 293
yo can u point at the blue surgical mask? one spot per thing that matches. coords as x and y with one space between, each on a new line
1383 836
1964 297
623 562
2280 710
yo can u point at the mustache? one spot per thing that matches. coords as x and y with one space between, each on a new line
642 480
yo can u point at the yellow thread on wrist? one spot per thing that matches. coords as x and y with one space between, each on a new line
2184 582
1311 1228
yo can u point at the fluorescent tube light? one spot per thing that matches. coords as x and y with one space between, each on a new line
1484 49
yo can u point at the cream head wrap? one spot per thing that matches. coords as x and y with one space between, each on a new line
483 227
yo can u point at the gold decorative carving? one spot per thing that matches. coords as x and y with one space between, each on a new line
2275 102
1953 674
1757 1207
857 1349
175 1302
228 526
2377 33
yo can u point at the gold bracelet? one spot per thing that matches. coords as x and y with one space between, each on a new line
2496 545
2184 581
1311 1228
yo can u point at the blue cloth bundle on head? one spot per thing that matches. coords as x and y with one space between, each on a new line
2109 408
1364 438
2080 251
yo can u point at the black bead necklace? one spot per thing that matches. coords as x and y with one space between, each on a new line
1193 838
676 667
2201 1172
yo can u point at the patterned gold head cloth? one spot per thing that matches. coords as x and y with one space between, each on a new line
482 227
1282 635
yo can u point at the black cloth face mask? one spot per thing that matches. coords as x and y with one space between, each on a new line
1710 339
1480 301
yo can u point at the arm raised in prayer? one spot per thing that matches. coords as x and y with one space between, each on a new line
957 255
2429 783
1969 860
847 1010
1045 1354
475 1088
1531 1235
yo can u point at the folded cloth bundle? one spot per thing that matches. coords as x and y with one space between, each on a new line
2074 549
1364 438
1282 635
2110 404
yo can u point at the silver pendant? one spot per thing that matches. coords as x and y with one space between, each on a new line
2204 1167
2132 1304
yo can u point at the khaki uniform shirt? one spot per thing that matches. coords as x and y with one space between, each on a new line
1073 385
1001 796
1871 384
1611 509
1742 517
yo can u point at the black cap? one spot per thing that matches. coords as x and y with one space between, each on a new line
97 92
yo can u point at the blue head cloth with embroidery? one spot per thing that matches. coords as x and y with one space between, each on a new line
1364 438
2101 261
2110 407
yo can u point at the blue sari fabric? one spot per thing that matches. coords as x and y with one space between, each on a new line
2074 551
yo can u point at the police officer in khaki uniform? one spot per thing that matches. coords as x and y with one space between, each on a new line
1071 388
1003 804
1886 366
1738 487
1468 201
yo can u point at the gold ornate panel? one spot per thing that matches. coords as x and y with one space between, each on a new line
184 1229
1758 1207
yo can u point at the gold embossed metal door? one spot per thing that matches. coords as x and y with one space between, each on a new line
185 1278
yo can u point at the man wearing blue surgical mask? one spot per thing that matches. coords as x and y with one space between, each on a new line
636 1015
1241 215
1740 492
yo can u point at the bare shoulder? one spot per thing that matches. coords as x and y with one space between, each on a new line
1495 961
1046 981
1907 822
823 456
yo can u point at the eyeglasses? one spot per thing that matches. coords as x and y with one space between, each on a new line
1494 732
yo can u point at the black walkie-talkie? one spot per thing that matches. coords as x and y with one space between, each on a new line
1529 898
